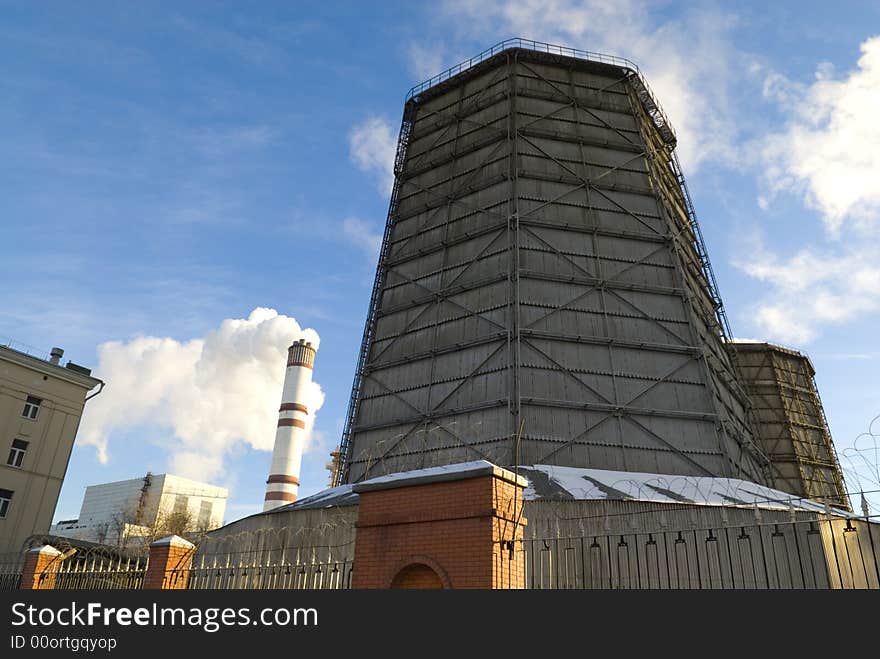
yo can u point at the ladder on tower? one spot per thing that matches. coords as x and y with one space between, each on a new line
702 253
399 158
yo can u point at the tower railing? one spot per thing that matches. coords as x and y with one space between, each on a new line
643 90
18 346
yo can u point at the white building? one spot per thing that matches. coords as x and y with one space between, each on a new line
115 513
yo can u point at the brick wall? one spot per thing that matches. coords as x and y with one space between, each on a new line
455 527
169 563
39 569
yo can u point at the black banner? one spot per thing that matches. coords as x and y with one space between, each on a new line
261 623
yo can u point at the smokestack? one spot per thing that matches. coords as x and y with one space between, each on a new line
283 482
56 355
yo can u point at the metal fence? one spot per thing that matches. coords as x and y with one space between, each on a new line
274 558
822 552
834 553
213 575
100 572
95 571
10 571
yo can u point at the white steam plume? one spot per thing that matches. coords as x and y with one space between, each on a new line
202 396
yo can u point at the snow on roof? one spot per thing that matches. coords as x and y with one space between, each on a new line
174 541
548 482
332 496
437 474
551 482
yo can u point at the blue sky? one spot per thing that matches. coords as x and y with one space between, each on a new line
171 166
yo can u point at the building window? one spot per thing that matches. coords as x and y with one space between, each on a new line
16 453
31 407
181 504
5 500
205 510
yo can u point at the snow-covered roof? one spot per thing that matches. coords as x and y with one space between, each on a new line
551 483
346 495
329 498
437 474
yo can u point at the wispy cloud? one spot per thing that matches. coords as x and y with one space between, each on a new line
812 289
363 235
256 49
847 356
426 59
221 141
372 145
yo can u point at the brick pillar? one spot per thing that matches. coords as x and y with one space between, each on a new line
508 553
449 527
169 563
40 567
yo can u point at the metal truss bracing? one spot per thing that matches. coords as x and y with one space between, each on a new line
790 421
543 294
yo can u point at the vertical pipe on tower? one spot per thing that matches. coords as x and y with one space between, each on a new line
283 482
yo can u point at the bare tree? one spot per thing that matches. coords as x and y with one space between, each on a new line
119 526
101 532
133 528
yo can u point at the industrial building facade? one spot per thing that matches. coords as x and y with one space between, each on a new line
125 512
41 403
543 294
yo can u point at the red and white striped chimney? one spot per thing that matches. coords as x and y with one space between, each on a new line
283 482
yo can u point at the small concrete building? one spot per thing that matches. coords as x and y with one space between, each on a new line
120 512
41 403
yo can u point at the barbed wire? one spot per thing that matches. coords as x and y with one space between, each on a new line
864 456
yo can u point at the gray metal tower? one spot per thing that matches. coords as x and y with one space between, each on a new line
543 294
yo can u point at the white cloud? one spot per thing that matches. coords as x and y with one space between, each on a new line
813 289
829 152
362 234
690 62
372 146
426 59
202 396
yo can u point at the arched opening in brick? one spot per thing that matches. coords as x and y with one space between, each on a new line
417 576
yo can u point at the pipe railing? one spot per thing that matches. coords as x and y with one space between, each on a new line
645 94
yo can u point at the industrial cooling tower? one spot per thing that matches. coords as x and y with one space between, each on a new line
543 294
790 423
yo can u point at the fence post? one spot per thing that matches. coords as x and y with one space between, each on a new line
169 563
40 567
